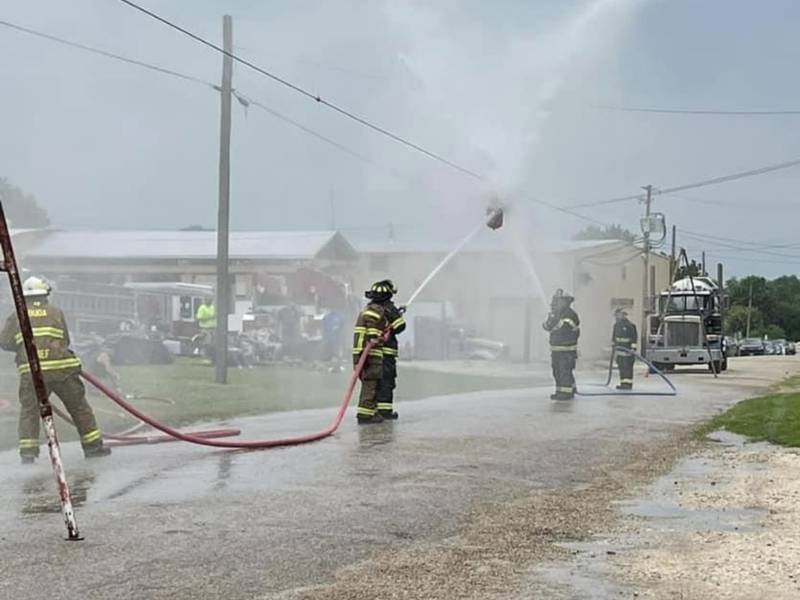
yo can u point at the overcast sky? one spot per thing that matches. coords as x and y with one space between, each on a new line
509 89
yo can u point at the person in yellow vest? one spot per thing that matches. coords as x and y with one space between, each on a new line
206 318
61 370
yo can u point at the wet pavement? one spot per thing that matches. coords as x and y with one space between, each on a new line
180 521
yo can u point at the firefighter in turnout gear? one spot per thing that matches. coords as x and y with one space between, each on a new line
60 368
564 327
371 326
624 338
397 324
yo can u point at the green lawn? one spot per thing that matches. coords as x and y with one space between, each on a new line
188 384
774 417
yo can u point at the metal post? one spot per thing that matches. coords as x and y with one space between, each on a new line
672 257
703 264
646 269
45 409
721 284
223 215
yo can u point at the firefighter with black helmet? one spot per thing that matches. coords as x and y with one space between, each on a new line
624 338
60 368
563 325
368 336
397 324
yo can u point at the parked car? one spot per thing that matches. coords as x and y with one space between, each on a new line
731 346
780 346
770 348
791 348
752 347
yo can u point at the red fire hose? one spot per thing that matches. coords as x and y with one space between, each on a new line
202 438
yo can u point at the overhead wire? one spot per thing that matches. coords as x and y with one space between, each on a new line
304 92
696 184
707 112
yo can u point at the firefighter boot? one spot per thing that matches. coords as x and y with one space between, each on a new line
367 420
96 451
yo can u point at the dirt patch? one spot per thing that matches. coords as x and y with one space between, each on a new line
493 556
737 535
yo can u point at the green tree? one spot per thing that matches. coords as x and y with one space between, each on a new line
607 232
736 321
22 210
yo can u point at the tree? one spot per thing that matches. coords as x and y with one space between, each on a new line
22 210
607 232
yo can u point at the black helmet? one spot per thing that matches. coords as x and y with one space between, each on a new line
381 291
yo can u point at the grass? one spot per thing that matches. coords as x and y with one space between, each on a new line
189 384
774 417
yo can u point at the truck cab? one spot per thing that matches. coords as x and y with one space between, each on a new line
686 327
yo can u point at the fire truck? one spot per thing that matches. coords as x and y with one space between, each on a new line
686 326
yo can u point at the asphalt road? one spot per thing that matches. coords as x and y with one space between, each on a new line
177 521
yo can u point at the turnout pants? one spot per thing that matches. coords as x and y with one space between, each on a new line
563 364
386 386
370 380
67 385
625 364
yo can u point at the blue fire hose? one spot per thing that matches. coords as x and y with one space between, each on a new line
653 369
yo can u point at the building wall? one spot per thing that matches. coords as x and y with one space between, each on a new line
494 293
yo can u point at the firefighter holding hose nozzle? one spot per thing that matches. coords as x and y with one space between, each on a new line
397 324
563 325
371 325
60 368
624 338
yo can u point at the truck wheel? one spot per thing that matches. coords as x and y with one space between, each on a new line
725 364
715 366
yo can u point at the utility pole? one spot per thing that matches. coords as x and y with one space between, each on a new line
223 214
749 309
672 260
646 266
703 261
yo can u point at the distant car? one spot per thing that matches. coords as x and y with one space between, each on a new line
731 346
752 347
780 346
791 349
770 348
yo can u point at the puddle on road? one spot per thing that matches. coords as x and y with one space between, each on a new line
39 497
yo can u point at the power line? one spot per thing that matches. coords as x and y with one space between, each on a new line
677 111
246 101
696 184
243 99
727 246
760 245
105 53
315 97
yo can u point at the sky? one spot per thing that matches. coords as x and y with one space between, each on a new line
512 90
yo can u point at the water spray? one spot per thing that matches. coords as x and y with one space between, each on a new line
494 220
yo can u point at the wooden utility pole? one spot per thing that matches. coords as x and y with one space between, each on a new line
646 267
703 261
223 214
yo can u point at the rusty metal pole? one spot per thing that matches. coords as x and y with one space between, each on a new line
45 409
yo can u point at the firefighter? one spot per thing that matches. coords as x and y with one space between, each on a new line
370 326
60 369
624 337
564 327
397 324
